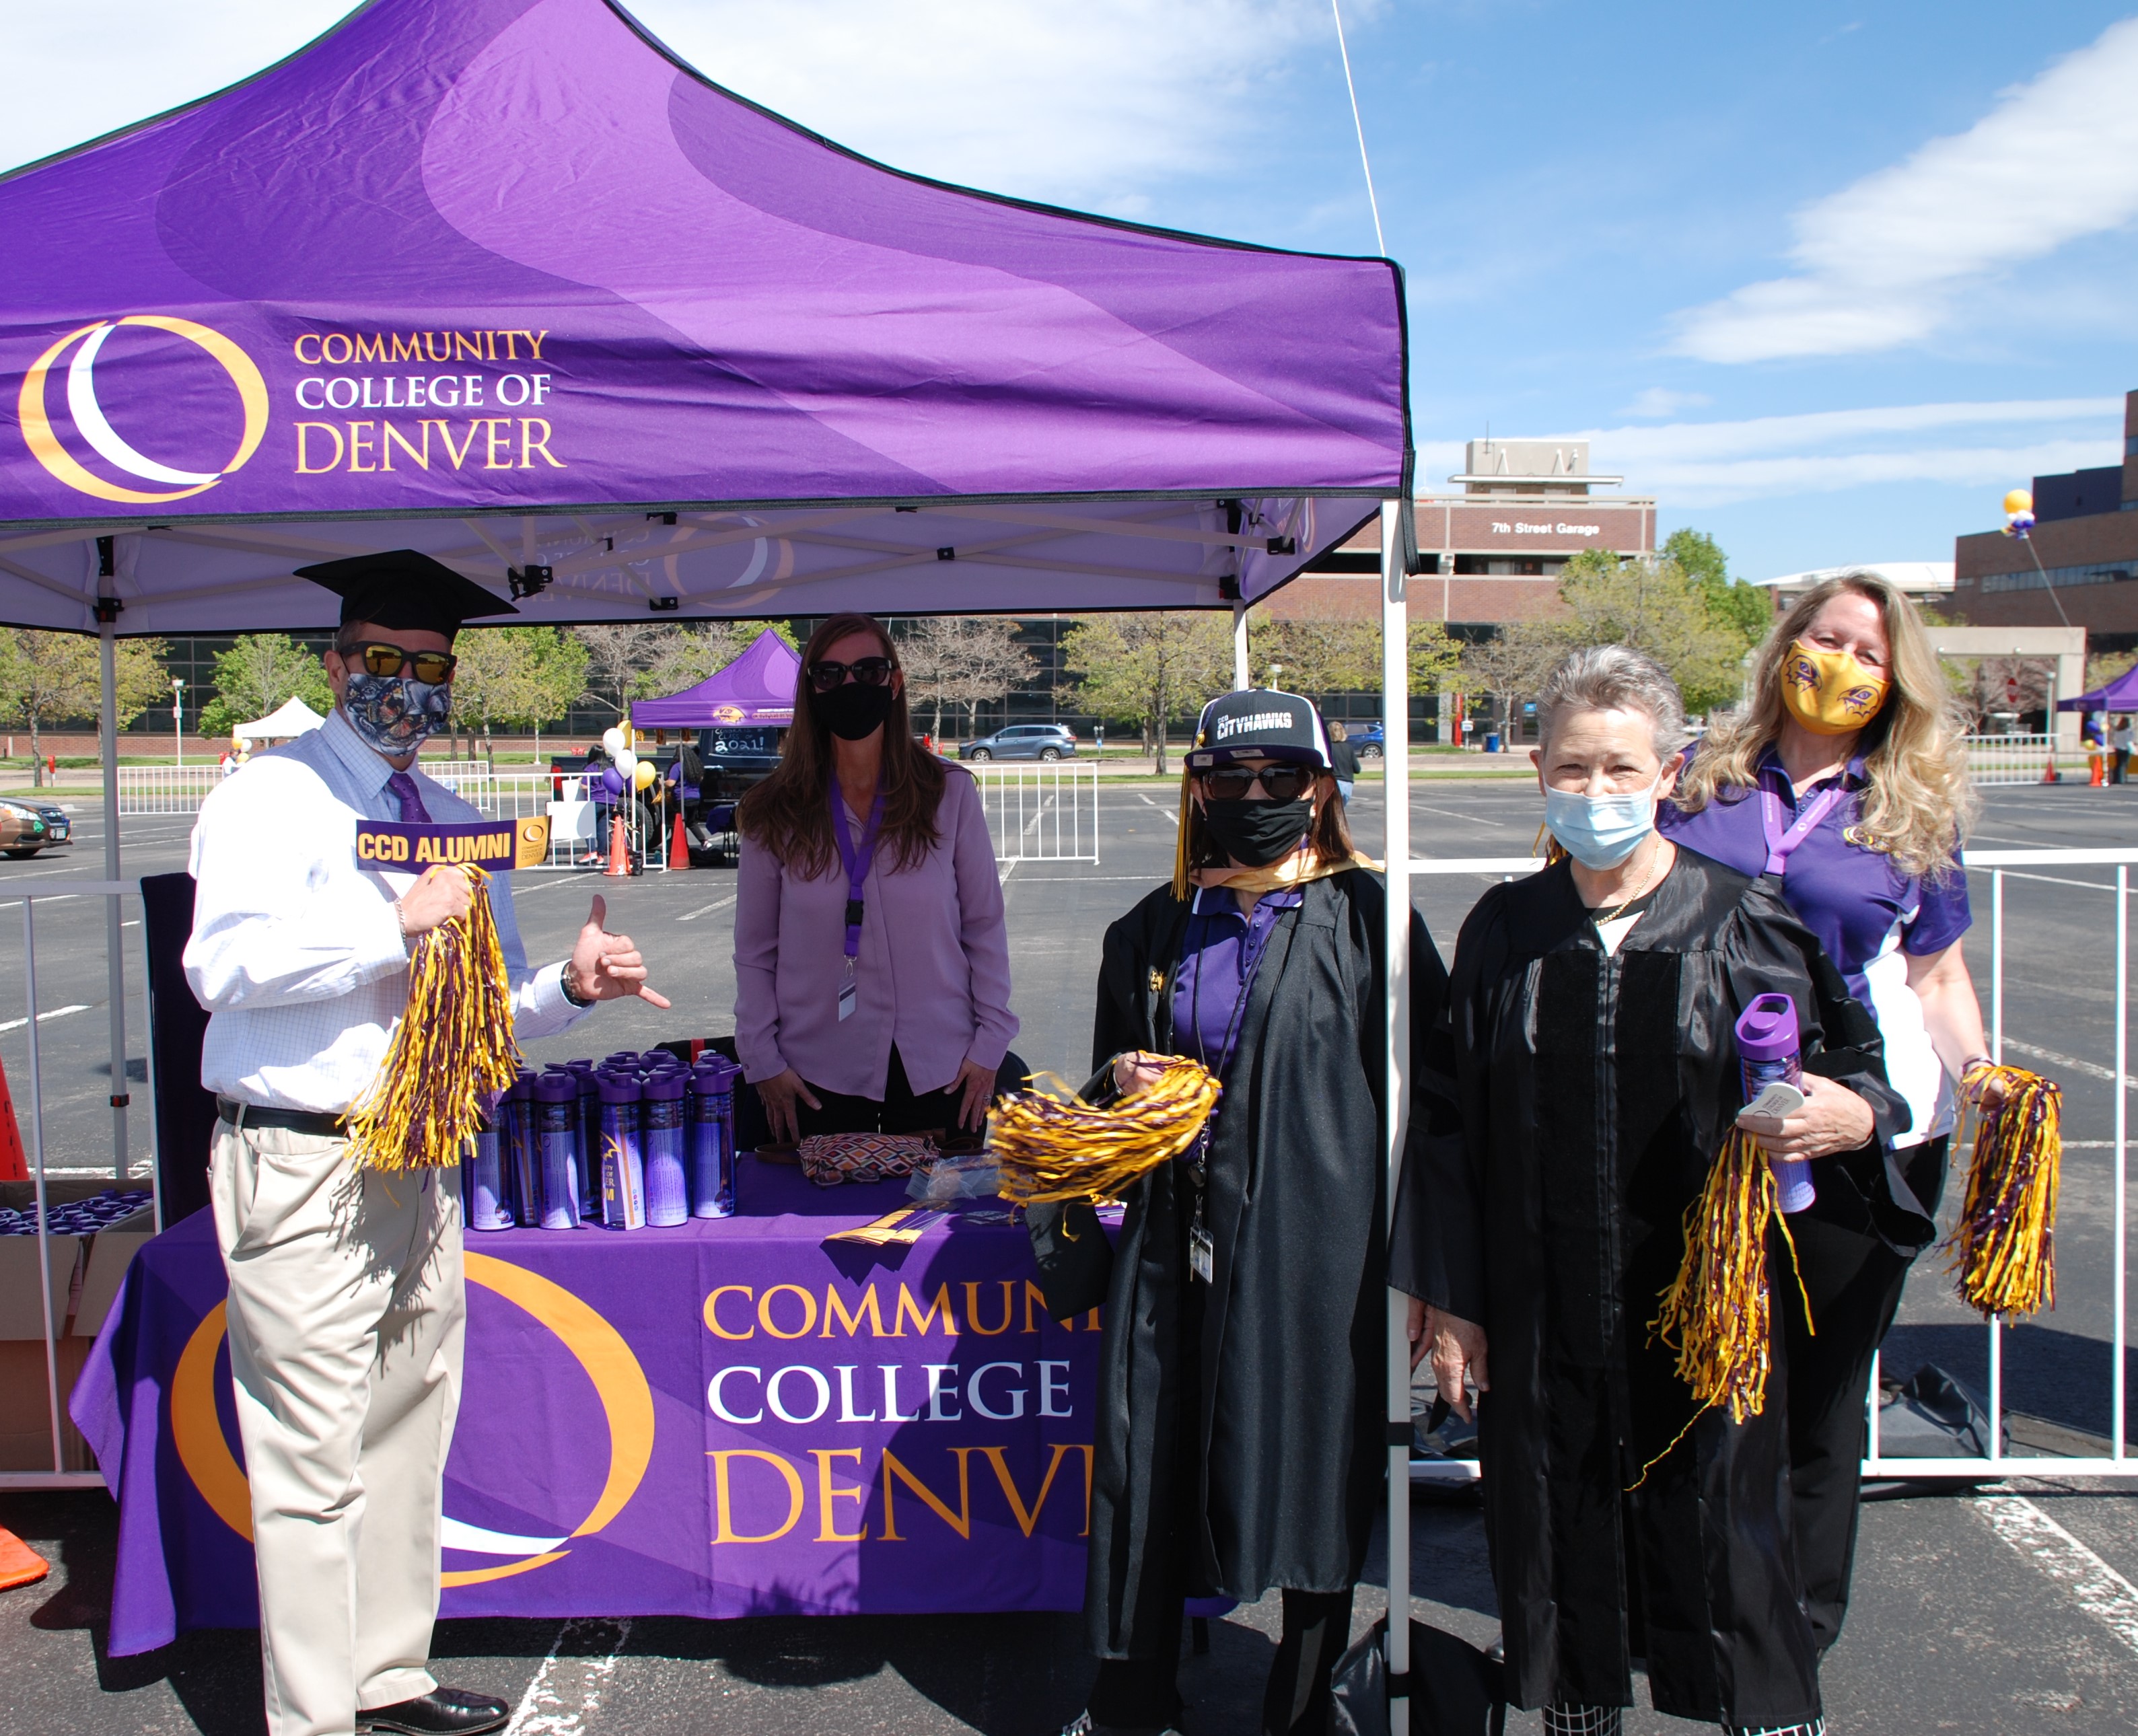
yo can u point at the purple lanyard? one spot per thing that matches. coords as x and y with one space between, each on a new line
856 861
1781 844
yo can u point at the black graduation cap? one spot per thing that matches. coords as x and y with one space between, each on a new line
403 588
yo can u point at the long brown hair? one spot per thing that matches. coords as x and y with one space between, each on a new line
790 813
1919 805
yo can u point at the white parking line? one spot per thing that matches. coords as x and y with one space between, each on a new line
57 1012
568 1688
718 904
2091 1069
2097 1587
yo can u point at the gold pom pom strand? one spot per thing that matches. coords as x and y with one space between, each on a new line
2004 1247
1060 1148
454 1044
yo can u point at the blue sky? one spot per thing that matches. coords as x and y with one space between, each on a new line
1824 278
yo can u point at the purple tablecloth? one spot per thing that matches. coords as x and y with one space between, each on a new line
733 1417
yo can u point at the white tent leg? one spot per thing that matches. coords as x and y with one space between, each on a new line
1395 724
1240 681
107 732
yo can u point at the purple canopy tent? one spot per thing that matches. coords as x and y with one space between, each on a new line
757 688
504 281
2120 694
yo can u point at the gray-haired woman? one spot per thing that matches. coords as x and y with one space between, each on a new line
1581 1090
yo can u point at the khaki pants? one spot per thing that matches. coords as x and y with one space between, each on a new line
346 1323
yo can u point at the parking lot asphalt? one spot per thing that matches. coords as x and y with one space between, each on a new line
2006 1608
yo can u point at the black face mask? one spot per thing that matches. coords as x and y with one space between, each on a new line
1256 833
852 709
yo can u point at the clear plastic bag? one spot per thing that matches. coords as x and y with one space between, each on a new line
970 1176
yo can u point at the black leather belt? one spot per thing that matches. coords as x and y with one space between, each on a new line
296 1121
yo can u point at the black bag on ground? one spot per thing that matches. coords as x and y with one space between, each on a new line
1455 1688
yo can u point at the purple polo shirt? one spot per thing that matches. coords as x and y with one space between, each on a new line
1219 955
1868 915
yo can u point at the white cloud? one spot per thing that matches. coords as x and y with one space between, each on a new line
1881 263
1661 401
1710 464
1091 102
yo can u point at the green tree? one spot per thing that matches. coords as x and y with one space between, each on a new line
1510 666
1746 610
1315 656
961 659
53 678
1435 658
1151 670
516 675
1655 605
258 675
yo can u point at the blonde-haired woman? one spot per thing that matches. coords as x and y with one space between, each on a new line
1845 778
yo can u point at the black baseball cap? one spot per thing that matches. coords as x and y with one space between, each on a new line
1259 723
404 588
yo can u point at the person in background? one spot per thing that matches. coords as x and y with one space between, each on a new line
346 1312
1844 781
1343 761
1580 1097
1240 1440
2119 748
872 955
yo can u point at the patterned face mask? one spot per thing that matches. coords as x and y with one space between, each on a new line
1829 692
393 715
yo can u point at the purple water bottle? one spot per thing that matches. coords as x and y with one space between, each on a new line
525 1178
556 1119
624 1178
590 1205
668 1178
1769 1050
712 1147
486 1201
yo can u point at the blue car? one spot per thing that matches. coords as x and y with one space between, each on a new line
1369 739
1024 741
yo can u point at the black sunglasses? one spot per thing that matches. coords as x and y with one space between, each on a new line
869 671
431 667
1280 783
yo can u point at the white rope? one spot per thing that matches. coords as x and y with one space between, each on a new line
1360 127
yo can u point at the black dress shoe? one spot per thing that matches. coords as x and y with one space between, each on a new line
441 1712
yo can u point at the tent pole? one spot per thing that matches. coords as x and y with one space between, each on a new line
1395 759
1240 681
114 954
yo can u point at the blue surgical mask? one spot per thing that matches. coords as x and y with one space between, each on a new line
393 714
1600 832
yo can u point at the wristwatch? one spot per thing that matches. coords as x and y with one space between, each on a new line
568 979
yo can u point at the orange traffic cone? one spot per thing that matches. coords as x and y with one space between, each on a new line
2096 772
2049 771
619 849
14 1166
679 846
19 1563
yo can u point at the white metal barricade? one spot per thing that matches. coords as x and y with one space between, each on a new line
165 789
1046 812
58 1477
1998 865
2008 759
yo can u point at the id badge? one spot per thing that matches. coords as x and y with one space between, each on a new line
1202 1254
847 994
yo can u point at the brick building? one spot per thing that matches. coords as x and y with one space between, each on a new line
2085 543
1493 552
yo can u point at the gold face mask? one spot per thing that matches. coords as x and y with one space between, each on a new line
1829 692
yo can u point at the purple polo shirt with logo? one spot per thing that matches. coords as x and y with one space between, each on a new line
1869 916
1219 955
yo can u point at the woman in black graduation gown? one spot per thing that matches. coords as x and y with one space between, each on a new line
1587 1081
1240 1440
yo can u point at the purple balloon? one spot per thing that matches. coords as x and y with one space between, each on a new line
613 780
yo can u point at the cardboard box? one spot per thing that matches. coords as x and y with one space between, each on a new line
25 1427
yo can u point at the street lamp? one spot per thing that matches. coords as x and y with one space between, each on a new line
178 719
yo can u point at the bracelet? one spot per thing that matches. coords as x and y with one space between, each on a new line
1972 1063
401 922
568 981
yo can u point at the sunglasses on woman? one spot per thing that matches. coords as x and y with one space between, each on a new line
869 671
1279 783
430 667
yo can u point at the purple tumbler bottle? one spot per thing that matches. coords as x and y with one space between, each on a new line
623 1179
556 1119
519 1150
712 1149
668 1178
485 1200
1769 1049
589 1106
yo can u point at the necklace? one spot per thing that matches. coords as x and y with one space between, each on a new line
1655 855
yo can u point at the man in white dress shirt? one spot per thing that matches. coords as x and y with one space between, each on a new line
346 1312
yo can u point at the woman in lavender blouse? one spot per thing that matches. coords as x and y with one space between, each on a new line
871 958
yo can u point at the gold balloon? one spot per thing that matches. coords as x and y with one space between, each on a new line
2018 501
643 777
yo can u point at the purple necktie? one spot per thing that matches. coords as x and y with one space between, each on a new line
413 811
